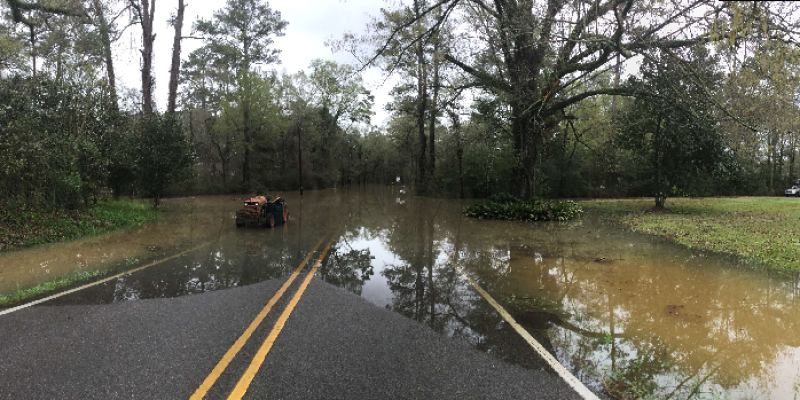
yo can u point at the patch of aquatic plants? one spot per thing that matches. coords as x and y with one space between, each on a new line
508 207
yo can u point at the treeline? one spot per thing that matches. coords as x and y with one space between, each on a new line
476 111
65 145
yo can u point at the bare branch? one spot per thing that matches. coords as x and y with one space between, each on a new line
483 77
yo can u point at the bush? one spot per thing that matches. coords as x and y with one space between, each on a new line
508 207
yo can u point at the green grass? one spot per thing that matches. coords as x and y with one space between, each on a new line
42 288
764 230
26 225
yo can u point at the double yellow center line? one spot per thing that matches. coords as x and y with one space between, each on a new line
241 387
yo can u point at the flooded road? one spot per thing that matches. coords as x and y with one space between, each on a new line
626 313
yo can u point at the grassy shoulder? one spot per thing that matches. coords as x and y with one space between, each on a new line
761 229
28 225
47 287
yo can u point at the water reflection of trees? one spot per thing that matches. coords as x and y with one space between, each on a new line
424 285
347 268
611 301
677 328
224 266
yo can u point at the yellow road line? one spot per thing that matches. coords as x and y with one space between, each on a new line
231 353
57 295
570 379
244 383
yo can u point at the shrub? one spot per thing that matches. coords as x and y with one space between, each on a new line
508 207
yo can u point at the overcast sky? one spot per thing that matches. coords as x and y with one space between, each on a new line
311 22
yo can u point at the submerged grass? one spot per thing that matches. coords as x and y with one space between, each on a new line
26 225
764 230
42 288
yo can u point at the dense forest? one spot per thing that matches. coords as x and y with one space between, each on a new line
580 98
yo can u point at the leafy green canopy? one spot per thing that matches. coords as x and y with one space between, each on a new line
54 141
242 32
671 129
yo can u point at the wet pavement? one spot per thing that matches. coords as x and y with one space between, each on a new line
336 345
626 313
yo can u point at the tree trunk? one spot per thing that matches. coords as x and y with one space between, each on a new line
300 156
792 152
526 134
422 104
661 195
33 49
432 121
176 59
434 104
145 11
105 37
246 132
459 150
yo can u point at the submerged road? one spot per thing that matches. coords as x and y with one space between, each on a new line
294 337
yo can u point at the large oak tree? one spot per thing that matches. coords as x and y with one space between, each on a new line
534 55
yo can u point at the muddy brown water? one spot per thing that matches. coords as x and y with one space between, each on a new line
619 309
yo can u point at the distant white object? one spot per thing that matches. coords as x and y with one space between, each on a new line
398 179
402 191
537 258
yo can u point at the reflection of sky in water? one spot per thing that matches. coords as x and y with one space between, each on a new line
376 288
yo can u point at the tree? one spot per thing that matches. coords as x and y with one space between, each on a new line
105 28
533 55
175 67
240 35
338 93
144 10
164 156
19 7
418 62
673 128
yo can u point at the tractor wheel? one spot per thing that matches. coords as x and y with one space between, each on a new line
270 221
239 223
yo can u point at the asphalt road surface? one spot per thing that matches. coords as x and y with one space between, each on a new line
334 345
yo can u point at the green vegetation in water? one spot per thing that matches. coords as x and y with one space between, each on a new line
764 230
25 225
508 207
630 383
42 288
521 304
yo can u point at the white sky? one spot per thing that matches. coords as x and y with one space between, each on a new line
311 22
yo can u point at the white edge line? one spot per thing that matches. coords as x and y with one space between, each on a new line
570 379
73 290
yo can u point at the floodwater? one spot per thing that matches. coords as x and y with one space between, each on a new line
630 315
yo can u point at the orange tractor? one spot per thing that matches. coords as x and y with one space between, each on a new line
263 211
